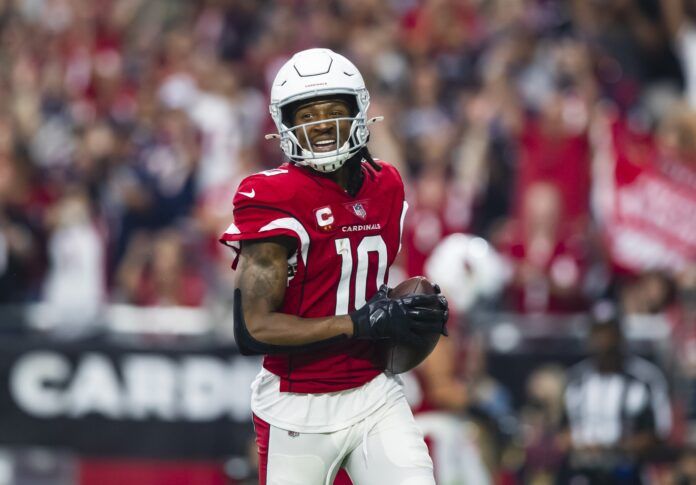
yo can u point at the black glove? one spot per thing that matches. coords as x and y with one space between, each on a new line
442 302
400 318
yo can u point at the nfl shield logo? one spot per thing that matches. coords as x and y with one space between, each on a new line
359 210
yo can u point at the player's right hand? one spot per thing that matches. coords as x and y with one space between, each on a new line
402 319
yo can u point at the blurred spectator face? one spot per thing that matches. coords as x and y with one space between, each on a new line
325 27
425 85
99 141
14 181
178 47
686 283
507 13
6 137
431 190
98 146
176 125
563 115
542 208
656 290
7 176
434 149
649 293
605 343
687 467
167 254
677 134
73 210
552 113
213 76
545 386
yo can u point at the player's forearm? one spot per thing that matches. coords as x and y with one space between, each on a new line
262 283
283 329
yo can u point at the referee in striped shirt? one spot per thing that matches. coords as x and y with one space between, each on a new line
616 410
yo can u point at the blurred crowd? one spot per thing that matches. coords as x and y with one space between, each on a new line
561 132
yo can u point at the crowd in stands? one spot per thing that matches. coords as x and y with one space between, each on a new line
561 132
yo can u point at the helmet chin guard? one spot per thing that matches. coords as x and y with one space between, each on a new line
327 164
315 73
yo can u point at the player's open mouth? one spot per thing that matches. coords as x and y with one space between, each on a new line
324 145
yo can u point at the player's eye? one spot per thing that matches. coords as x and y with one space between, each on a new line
304 118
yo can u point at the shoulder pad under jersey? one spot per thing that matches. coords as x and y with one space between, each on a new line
389 174
275 187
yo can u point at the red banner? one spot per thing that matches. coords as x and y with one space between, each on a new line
653 225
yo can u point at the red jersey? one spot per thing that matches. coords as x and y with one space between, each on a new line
564 161
345 246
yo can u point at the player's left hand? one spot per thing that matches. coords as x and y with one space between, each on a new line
401 318
432 308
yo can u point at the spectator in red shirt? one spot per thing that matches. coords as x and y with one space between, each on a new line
549 260
439 209
556 150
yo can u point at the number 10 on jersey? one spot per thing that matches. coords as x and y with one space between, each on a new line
368 244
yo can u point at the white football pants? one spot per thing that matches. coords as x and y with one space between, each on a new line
385 448
457 458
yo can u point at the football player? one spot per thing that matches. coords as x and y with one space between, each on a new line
315 239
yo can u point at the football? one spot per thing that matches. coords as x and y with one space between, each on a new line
399 357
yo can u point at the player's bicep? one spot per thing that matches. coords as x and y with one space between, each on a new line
262 280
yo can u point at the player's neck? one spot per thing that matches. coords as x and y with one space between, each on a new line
351 177
348 177
342 177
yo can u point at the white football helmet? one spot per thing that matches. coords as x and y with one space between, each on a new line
467 268
317 73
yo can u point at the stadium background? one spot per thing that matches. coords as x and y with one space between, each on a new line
562 132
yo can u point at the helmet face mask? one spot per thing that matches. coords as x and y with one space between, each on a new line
323 74
346 144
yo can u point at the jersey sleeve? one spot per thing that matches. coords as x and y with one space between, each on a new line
261 211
